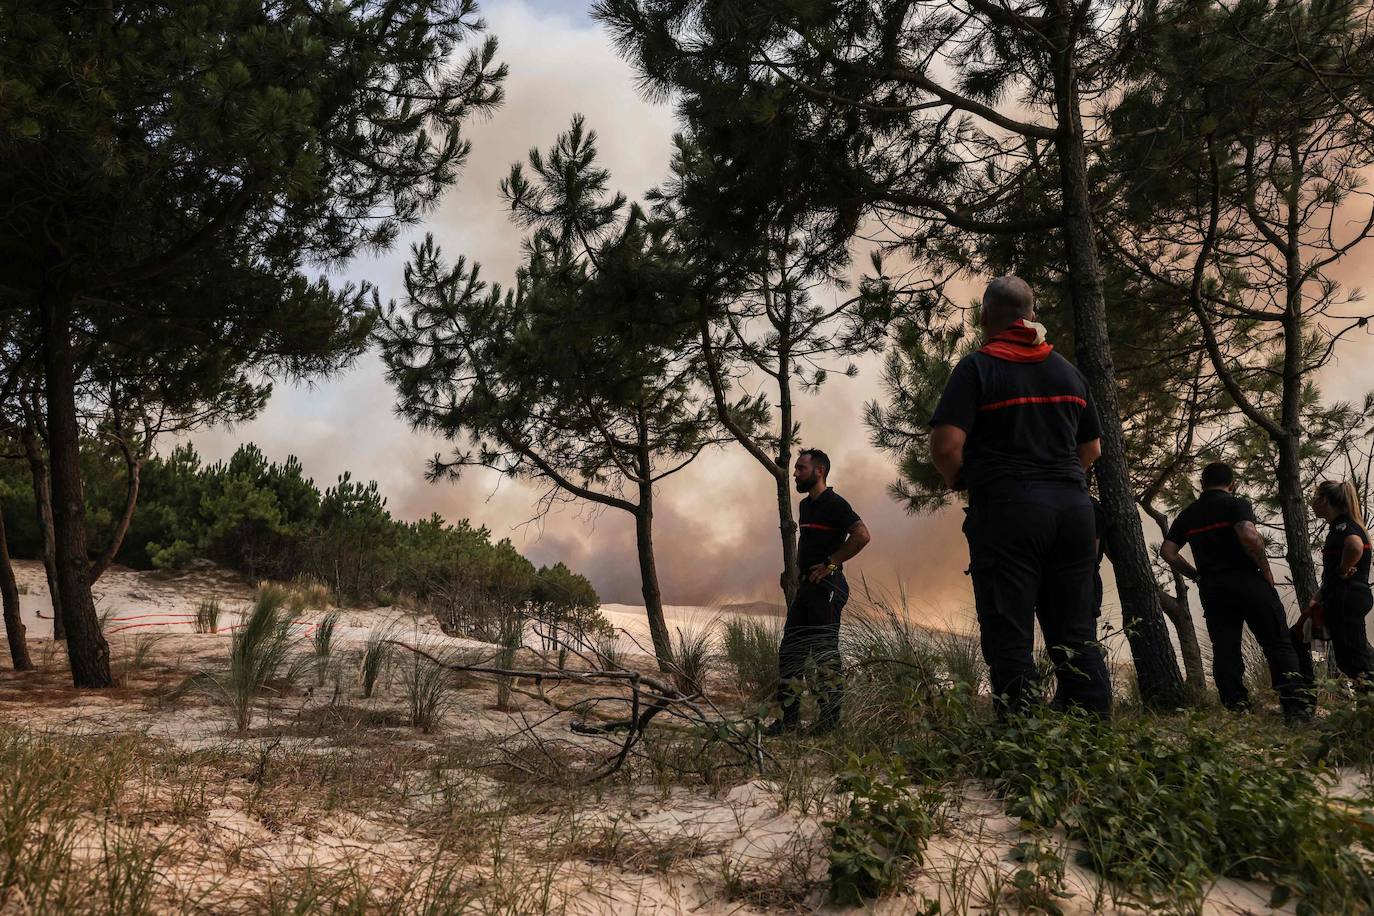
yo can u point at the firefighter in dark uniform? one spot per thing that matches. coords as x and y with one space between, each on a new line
1345 597
1101 530
1015 426
1237 589
831 533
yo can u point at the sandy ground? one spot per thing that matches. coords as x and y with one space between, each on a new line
754 846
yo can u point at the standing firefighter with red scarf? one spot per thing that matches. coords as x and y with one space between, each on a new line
1016 428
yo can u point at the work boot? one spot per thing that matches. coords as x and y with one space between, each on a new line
823 727
779 727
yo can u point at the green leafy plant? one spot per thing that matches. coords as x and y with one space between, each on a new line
1346 736
883 832
1037 885
1163 807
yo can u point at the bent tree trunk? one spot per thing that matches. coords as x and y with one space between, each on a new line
42 503
9 591
778 465
648 578
87 649
1175 607
1161 683
134 466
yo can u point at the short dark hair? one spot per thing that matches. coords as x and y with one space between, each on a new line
817 457
1006 299
1217 474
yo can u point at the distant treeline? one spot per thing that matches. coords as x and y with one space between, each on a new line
268 520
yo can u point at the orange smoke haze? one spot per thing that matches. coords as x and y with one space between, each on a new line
715 524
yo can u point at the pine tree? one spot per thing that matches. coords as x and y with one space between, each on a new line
935 119
774 305
584 377
169 170
1247 201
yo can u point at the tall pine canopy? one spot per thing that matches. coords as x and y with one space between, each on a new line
172 174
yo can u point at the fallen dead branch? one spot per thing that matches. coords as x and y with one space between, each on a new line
645 698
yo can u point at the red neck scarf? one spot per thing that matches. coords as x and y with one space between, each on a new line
1022 342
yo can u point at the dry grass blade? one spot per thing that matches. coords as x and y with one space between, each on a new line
259 658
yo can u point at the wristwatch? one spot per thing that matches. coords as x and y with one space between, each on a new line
831 566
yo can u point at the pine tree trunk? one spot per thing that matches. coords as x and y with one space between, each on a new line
87 649
1161 683
9 592
1176 608
1292 505
787 522
648 578
42 502
787 527
1289 483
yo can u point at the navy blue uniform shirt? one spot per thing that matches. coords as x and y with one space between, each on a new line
1209 524
1334 548
1024 421
825 523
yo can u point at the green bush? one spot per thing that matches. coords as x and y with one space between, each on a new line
883 831
270 521
1346 736
173 557
1164 807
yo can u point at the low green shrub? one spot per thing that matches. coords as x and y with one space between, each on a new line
693 653
1346 735
1164 807
1037 885
260 659
322 644
376 656
429 691
883 831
